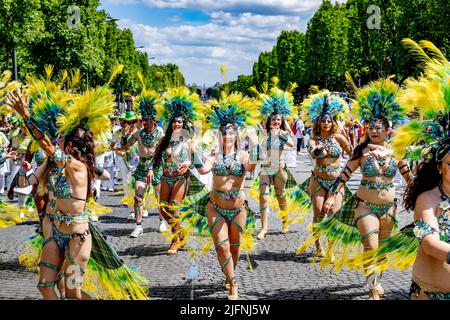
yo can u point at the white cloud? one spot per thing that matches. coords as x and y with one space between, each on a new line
199 50
237 32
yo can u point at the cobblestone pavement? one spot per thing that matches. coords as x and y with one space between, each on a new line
277 272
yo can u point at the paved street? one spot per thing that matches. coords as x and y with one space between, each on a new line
277 273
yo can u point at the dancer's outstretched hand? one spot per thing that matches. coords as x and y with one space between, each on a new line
19 102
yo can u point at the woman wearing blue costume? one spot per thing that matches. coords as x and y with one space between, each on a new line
73 239
425 244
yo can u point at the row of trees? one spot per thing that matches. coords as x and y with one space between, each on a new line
359 36
73 34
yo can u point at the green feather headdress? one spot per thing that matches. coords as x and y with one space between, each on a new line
179 102
147 100
429 136
324 102
275 100
90 110
234 108
377 101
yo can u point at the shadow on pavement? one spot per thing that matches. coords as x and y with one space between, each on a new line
145 251
183 292
319 293
282 256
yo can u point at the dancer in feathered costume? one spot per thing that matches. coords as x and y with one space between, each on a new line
369 216
73 238
177 108
276 105
223 214
323 110
147 139
425 244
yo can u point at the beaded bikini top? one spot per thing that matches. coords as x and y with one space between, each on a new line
53 174
422 228
180 156
331 146
229 165
371 169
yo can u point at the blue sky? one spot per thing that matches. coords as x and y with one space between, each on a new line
200 35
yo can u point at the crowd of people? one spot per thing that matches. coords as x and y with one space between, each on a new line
190 159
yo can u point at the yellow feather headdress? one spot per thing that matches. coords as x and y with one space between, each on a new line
428 136
232 108
179 102
90 110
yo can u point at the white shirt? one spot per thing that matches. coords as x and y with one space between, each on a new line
300 127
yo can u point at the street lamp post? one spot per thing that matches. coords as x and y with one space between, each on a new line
15 64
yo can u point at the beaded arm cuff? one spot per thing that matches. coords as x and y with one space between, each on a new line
33 129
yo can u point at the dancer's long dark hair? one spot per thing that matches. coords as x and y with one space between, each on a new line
358 152
427 177
82 148
165 142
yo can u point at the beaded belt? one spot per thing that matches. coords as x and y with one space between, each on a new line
377 185
68 218
327 169
228 195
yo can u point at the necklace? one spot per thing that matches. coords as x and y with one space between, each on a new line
148 138
227 160
444 197
174 143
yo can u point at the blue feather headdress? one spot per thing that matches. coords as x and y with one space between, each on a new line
147 101
319 104
179 103
234 108
378 101
276 101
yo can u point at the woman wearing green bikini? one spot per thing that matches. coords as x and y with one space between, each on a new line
323 110
174 155
226 208
374 211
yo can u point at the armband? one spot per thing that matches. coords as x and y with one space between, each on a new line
32 127
283 138
57 156
22 172
99 171
335 185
